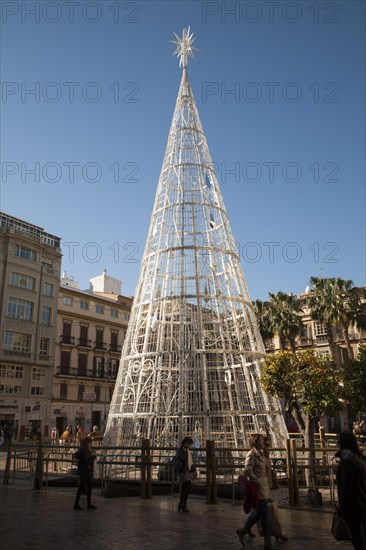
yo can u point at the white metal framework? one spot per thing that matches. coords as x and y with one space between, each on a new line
191 359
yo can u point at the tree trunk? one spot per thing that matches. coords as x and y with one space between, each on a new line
310 455
331 342
348 343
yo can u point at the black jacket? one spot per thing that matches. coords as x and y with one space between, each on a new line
351 485
183 456
85 462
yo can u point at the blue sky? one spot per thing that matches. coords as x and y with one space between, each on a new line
289 141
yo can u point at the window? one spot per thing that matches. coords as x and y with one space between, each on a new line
44 347
47 267
38 373
114 368
23 281
114 313
82 364
98 366
10 388
84 305
63 391
126 316
320 330
65 362
25 253
84 335
81 390
97 393
16 341
37 390
67 301
47 289
99 309
99 344
46 315
20 309
11 371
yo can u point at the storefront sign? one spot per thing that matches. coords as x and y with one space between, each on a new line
89 396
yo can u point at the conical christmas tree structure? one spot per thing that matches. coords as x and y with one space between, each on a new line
191 359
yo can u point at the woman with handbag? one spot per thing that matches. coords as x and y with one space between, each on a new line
185 472
256 471
351 485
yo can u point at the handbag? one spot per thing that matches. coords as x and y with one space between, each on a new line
340 530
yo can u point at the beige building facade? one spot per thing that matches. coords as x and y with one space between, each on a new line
91 328
29 286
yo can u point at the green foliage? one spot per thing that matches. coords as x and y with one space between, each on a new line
309 384
354 380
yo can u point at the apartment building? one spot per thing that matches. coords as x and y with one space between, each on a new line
91 327
29 286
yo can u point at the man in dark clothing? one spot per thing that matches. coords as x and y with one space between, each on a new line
351 484
85 460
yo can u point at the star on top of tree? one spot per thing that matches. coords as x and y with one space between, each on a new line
184 48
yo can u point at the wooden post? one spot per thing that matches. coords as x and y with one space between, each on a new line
295 479
148 470
143 468
289 473
214 481
7 465
38 474
208 473
322 443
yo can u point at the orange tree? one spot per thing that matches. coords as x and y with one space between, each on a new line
354 381
309 386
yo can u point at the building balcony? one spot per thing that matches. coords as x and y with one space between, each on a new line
74 372
306 342
66 339
321 338
100 345
84 343
63 369
115 348
17 353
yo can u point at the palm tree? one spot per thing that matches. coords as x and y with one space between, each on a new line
323 307
336 302
262 312
285 318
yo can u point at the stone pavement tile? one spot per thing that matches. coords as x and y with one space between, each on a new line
40 520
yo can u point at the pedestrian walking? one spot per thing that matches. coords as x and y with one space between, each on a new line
85 459
185 472
255 470
351 485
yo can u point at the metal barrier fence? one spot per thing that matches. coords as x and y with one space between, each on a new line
217 468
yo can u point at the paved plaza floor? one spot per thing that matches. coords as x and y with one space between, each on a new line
41 520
